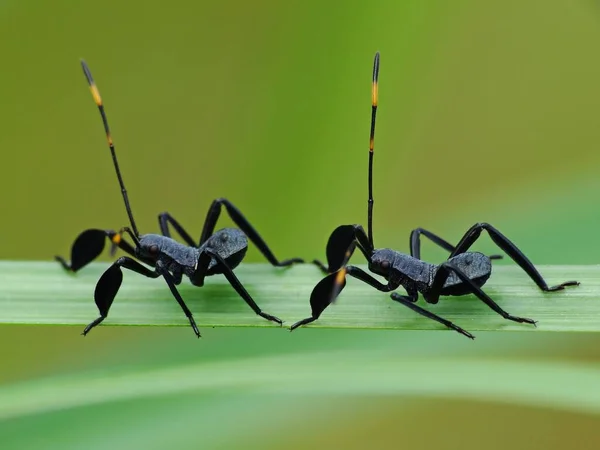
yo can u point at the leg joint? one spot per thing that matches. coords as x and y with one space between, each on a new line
121 261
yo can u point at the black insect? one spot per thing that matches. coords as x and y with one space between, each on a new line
463 273
217 252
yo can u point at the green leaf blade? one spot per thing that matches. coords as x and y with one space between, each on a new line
42 293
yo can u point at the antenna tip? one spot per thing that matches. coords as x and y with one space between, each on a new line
90 80
86 71
376 68
375 80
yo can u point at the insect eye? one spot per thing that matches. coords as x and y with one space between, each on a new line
385 265
153 249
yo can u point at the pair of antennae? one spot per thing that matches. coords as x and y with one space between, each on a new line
98 100
374 92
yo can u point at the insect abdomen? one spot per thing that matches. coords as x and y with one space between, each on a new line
477 266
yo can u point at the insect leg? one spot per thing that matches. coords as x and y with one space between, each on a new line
199 274
341 245
409 301
328 289
164 219
511 250
415 243
88 246
171 282
109 283
211 220
442 275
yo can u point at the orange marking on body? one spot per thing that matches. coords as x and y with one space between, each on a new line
339 278
116 239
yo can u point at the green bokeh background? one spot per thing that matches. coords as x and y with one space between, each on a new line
487 113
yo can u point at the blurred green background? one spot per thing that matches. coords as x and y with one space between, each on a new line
487 113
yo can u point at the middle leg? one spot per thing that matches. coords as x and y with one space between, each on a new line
410 302
415 243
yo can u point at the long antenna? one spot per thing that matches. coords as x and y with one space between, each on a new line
98 100
372 144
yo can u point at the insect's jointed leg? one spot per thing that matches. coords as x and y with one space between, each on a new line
321 266
323 294
200 273
409 302
238 218
415 243
328 289
164 219
109 283
89 245
363 276
341 245
511 250
442 275
171 282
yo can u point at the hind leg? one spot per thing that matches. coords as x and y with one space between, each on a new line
511 250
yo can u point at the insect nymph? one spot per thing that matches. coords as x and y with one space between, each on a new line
462 273
216 252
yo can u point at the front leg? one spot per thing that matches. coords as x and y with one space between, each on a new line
328 289
109 283
89 245
341 245
238 218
